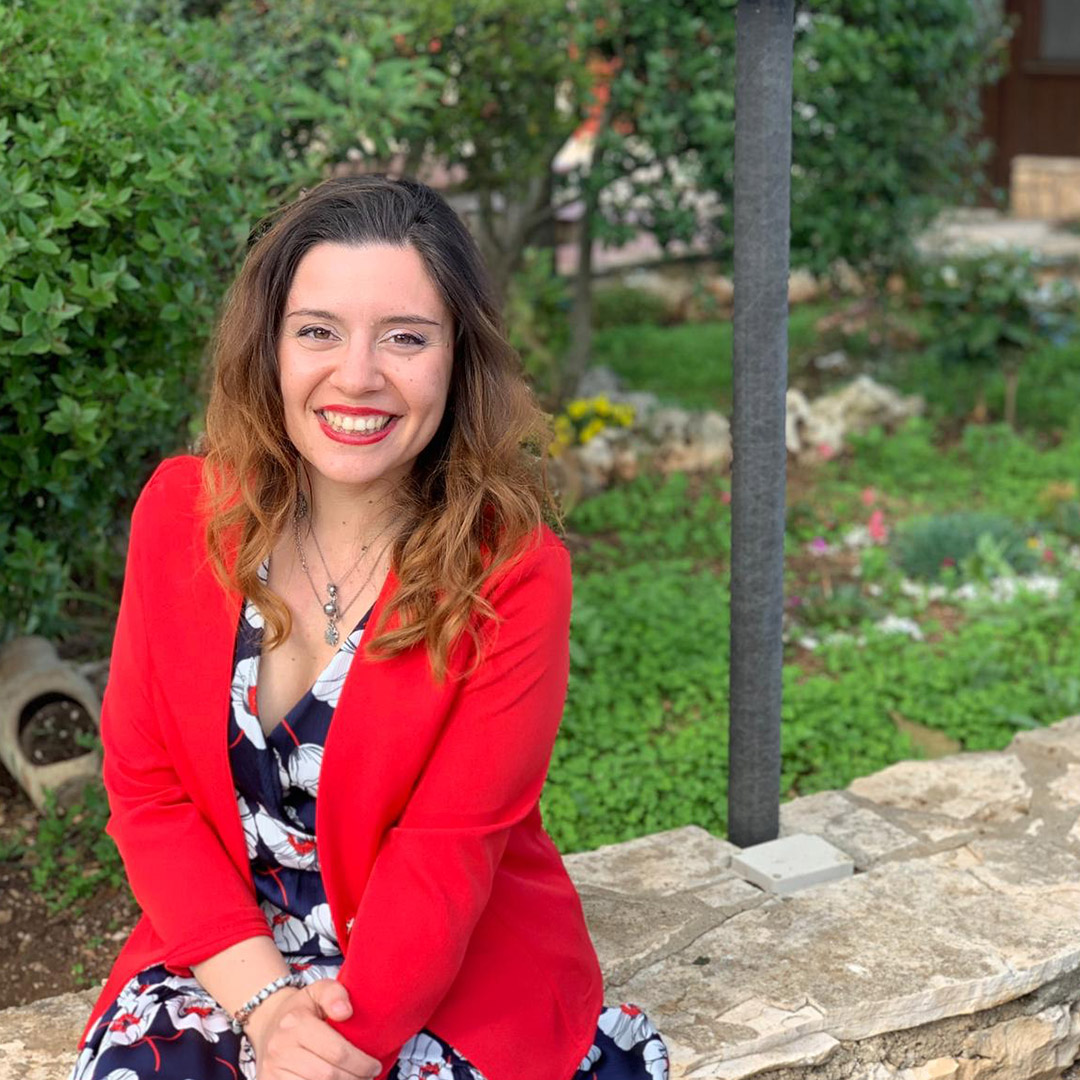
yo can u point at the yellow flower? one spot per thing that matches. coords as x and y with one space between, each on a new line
563 426
592 429
601 406
1033 543
576 410
624 414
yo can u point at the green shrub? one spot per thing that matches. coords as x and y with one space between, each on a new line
621 305
137 157
968 539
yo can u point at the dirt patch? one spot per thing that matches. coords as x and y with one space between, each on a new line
44 953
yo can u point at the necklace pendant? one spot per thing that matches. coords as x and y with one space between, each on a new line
332 636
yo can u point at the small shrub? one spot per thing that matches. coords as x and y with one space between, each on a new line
622 305
927 546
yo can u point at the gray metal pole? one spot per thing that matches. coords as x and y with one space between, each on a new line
762 213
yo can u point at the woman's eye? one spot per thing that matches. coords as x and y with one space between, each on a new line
315 333
405 337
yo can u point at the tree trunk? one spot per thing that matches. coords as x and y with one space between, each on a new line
581 329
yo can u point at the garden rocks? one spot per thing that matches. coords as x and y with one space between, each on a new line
671 439
816 430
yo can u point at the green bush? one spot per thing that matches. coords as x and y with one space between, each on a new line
967 539
137 156
620 305
122 218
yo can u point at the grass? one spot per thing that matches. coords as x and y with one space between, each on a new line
644 739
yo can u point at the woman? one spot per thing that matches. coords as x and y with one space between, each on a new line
338 672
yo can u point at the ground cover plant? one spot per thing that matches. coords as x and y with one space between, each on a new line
877 667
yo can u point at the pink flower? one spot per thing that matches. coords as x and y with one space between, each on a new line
826 452
948 561
1048 555
868 496
819 544
879 531
725 497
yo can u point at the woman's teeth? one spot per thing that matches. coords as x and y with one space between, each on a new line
361 425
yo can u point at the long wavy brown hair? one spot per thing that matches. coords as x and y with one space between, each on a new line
476 492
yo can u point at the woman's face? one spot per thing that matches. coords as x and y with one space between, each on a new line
364 360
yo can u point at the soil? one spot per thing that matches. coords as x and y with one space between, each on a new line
42 953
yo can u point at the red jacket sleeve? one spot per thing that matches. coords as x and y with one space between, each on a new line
433 875
168 846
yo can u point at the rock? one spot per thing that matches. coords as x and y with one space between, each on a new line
721 289
1034 1047
1065 790
669 425
833 361
37 1041
857 830
665 862
598 381
802 287
982 787
596 461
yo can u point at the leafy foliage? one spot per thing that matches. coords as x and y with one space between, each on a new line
137 158
884 130
926 546
644 740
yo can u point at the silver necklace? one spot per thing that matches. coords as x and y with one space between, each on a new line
332 609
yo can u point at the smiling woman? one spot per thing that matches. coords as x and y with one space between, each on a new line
335 836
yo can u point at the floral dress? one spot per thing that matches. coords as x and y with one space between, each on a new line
167 1026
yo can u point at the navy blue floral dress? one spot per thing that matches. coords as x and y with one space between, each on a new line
167 1026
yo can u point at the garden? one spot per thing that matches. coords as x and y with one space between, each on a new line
932 567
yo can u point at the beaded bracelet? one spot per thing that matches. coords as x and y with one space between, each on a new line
243 1014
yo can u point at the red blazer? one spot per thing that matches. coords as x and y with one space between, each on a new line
451 902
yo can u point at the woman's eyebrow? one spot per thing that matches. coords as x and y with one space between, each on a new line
319 313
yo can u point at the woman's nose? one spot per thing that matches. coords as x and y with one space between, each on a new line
359 370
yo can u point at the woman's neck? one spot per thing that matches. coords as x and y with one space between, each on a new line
346 520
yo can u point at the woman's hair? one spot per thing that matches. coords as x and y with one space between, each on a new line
476 491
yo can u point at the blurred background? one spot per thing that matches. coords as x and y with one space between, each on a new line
934 360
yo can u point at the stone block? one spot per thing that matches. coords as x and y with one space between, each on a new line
730 895
978 787
1033 1047
856 830
631 932
1060 740
37 1041
662 863
1065 790
791 863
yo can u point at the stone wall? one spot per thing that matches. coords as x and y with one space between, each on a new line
947 948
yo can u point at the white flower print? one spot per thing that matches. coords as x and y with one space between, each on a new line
590 1059
290 933
244 707
655 1056
83 1063
122 1074
420 1057
199 1012
319 922
282 772
328 685
247 1059
313 972
253 616
625 1025
291 847
247 820
304 765
135 1012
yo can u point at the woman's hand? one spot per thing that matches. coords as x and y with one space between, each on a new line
293 1041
